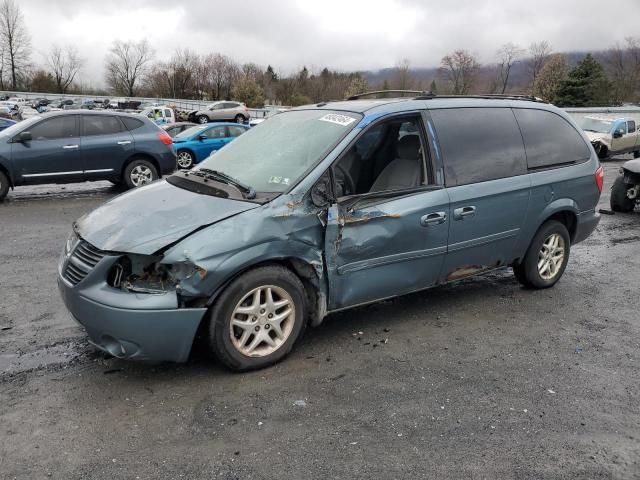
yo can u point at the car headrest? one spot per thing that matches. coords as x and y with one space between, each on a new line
408 147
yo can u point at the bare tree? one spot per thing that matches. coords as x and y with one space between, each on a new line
623 67
508 55
126 64
14 38
64 63
538 54
460 69
402 77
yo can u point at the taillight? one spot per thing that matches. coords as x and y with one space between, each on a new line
599 177
165 138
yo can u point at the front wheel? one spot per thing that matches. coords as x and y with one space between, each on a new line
203 119
619 200
140 172
185 159
546 258
239 118
258 318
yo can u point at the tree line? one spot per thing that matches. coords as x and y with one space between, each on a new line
132 69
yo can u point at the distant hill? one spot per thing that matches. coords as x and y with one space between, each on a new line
519 77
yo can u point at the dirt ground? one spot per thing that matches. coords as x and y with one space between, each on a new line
477 379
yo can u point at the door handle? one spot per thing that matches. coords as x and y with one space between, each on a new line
70 147
124 142
460 213
435 218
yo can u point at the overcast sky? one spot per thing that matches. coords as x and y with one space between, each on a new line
340 34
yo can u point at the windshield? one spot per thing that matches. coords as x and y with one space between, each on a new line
596 125
189 132
272 156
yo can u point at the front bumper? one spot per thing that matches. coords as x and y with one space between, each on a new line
586 224
129 325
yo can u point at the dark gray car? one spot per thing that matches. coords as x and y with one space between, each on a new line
324 208
66 147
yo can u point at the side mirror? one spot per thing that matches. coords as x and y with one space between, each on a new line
321 192
617 134
24 137
202 137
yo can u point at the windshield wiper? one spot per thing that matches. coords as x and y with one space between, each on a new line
248 191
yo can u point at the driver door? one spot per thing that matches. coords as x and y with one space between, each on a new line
389 237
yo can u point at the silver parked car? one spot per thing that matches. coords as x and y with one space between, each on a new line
223 111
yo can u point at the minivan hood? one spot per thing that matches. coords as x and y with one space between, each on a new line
149 218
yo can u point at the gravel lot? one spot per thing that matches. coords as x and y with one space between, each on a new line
478 379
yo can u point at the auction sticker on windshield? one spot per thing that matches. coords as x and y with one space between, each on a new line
337 118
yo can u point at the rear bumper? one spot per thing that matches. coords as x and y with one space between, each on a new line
155 334
168 161
586 224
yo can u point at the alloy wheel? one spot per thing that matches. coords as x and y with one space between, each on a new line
551 256
185 160
141 175
262 321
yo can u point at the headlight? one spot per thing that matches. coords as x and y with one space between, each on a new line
71 243
146 274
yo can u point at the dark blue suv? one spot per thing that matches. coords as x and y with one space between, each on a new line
66 147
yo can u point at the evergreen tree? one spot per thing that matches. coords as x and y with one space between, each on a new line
433 88
585 86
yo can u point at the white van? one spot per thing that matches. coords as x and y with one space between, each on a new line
161 114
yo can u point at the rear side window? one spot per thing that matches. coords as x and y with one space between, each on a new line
631 126
235 131
59 127
167 113
101 125
549 139
132 123
479 144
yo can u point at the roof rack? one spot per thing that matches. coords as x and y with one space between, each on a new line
426 95
490 96
377 92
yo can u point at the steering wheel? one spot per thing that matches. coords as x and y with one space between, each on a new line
349 185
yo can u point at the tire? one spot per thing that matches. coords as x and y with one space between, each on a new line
237 354
636 154
139 172
619 201
528 273
602 151
202 119
185 159
4 186
239 119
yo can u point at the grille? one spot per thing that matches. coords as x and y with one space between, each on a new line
82 260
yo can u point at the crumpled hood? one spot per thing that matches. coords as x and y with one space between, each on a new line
598 136
148 218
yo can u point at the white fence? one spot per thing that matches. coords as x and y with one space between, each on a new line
629 111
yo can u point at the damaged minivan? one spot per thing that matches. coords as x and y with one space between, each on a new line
327 207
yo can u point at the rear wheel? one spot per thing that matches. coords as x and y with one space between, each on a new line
140 172
239 118
258 318
185 159
4 186
546 258
203 119
619 200
636 154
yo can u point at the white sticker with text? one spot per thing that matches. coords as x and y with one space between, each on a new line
337 118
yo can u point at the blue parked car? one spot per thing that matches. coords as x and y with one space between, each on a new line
197 143
5 123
